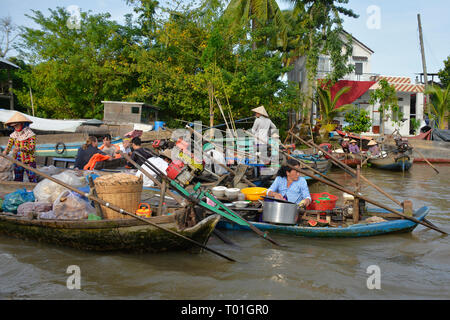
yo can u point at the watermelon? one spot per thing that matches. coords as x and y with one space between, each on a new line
312 223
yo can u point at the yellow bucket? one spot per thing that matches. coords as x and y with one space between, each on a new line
254 193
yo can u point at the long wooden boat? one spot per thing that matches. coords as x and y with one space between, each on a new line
354 231
393 162
127 235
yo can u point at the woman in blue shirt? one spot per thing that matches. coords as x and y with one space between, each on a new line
289 186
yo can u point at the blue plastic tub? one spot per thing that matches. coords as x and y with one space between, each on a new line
158 125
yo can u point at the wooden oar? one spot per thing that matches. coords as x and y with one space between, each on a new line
112 206
367 200
426 160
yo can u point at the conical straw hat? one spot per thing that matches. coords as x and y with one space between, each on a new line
372 143
261 110
352 141
18 117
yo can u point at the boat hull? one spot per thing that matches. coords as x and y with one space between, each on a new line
127 235
354 231
399 163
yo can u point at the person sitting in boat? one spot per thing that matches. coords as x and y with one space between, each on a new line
23 140
86 151
353 147
345 145
139 154
374 150
108 148
125 146
288 185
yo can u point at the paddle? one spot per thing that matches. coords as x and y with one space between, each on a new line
112 206
426 160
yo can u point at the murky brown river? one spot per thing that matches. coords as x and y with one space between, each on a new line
412 266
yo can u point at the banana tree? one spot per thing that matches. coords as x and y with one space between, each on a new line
327 106
439 105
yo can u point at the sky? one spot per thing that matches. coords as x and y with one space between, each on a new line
388 27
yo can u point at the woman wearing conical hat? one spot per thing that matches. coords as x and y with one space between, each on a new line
374 150
23 143
262 130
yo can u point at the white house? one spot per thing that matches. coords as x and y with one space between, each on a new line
362 81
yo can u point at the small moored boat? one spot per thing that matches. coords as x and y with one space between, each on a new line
353 231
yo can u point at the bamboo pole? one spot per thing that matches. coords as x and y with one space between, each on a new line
112 206
420 153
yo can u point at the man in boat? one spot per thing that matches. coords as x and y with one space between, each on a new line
108 148
288 185
23 140
353 147
262 129
374 150
144 153
86 151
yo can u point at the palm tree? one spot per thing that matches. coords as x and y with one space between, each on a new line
439 104
254 13
327 104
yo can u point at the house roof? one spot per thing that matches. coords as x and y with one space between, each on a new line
359 42
5 64
143 104
401 84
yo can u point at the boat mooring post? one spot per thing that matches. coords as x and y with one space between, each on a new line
357 191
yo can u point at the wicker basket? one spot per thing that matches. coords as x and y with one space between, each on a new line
122 190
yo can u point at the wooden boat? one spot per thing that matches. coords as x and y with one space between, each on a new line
352 160
392 161
109 235
353 231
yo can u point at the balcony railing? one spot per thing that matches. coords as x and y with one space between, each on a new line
351 76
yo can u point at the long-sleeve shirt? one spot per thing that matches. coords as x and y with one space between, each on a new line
261 128
25 149
297 191
374 150
353 148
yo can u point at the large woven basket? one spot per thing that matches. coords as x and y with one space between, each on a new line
121 189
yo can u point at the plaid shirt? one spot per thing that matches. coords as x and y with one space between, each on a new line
25 149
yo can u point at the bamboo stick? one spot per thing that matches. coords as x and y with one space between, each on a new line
111 206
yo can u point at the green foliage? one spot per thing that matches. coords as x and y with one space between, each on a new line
439 105
444 74
73 70
359 121
415 124
386 96
327 105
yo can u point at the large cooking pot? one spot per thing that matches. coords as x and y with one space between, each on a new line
278 211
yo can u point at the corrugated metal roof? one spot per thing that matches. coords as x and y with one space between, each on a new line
5 64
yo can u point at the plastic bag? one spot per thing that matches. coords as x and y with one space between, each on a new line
48 191
47 215
6 165
69 206
28 209
13 200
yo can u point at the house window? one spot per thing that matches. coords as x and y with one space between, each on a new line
358 68
324 64
397 116
135 110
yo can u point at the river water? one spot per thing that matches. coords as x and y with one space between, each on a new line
411 266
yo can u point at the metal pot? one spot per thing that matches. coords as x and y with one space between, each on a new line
280 212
